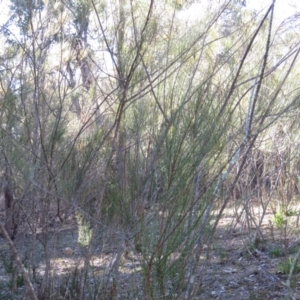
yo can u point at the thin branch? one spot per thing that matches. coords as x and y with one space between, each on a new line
19 263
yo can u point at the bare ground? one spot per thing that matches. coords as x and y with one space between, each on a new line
239 264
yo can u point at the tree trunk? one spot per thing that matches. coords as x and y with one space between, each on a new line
10 222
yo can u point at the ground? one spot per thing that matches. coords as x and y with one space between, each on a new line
239 264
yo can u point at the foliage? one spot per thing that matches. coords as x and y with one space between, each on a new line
280 219
276 252
286 265
140 126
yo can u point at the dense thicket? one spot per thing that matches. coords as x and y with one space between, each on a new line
143 121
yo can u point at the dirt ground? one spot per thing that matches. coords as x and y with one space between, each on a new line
239 264
242 267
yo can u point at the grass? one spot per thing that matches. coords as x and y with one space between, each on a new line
285 266
280 219
276 252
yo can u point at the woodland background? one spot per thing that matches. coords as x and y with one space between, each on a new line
128 128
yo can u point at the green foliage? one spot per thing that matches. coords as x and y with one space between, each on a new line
291 212
280 219
223 256
25 10
137 123
276 252
19 282
285 266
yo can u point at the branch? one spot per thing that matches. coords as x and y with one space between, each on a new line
19 263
